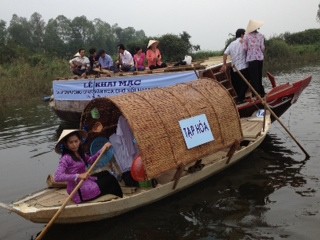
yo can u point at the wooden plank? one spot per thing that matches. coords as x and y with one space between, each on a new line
251 129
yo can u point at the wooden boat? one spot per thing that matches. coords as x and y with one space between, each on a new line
164 150
280 98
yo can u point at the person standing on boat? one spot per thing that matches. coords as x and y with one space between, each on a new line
238 55
125 61
72 168
80 64
154 55
139 59
254 45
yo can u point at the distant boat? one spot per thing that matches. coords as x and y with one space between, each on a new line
181 143
70 96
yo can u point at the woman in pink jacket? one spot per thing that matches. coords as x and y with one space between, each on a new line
72 168
254 45
154 55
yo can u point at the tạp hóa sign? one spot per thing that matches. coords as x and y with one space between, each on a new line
196 131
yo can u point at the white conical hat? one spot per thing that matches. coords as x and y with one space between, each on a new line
77 55
152 42
253 25
65 133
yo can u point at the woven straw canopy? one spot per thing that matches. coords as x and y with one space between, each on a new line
154 119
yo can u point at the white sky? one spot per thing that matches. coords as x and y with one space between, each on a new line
207 21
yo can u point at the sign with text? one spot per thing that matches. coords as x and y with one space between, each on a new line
260 113
196 131
87 89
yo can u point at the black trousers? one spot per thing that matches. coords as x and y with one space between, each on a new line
238 84
255 74
108 184
163 65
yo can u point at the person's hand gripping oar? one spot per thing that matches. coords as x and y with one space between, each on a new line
271 111
75 190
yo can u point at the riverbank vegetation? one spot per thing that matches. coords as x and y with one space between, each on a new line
33 52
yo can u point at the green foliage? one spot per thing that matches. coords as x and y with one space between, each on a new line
173 47
202 55
310 36
30 78
318 13
277 48
62 37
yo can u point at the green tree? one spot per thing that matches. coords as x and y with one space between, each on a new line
318 13
82 33
173 47
52 41
19 32
37 29
309 36
3 33
104 37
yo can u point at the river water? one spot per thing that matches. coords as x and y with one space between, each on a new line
272 194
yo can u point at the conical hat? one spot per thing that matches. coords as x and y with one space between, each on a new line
253 25
77 55
152 42
64 134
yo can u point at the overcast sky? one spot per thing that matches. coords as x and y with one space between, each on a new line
207 21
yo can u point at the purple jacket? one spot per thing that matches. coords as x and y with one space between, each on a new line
67 172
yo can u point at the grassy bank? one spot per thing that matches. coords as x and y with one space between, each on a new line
30 79
282 57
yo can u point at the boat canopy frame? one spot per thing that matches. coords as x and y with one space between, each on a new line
154 120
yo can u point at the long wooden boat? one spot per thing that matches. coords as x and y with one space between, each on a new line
280 98
163 147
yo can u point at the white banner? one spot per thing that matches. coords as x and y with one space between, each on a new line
87 89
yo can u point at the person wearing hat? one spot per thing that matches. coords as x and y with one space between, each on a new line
72 168
80 64
238 57
254 45
154 55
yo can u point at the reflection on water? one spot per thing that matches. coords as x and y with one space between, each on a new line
272 194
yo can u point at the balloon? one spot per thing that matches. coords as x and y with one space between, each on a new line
138 172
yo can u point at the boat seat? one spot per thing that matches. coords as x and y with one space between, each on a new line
251 129
104 198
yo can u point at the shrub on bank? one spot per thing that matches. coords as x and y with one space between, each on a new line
202 55
30 78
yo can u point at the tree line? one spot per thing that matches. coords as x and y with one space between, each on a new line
62 37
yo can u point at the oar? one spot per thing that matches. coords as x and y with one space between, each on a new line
56 215
271 111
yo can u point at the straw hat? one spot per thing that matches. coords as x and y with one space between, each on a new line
152 42
64 134
253 25
77 55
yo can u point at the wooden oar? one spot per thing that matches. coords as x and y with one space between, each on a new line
271 111
75 190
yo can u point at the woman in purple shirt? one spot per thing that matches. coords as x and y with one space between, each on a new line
254 45
72 168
